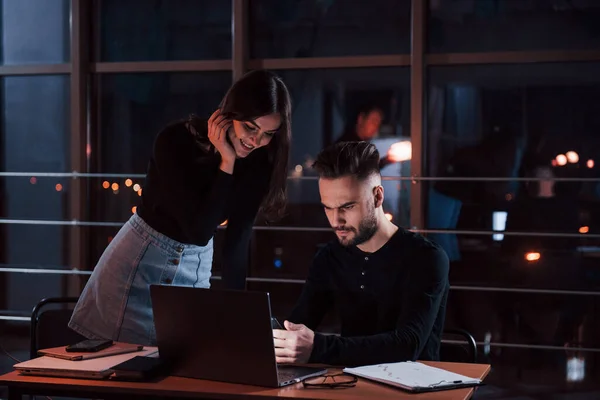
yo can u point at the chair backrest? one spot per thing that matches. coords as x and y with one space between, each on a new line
458 345
49 325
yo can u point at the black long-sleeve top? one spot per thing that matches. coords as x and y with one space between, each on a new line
391 303
186 196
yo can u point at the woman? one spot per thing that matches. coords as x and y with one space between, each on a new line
201 173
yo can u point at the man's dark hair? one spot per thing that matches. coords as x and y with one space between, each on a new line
366 109
357 159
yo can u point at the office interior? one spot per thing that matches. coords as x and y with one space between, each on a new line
494 106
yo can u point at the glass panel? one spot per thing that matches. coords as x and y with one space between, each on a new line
157 30
533 122
290 28
536 122
25 290
509 25
133 109
36 31
35 138
35 197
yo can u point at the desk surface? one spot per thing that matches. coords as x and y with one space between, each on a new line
198 389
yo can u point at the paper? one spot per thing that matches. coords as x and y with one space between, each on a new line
411 375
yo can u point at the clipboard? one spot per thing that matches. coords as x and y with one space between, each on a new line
414 377
116 348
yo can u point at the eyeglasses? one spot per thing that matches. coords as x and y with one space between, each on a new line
331 381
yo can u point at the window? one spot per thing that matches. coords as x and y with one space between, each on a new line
158 30
35 31
296 29
514 123
35 137
460 26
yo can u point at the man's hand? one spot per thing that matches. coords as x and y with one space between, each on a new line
294 345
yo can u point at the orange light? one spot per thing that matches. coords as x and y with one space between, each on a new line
128 182
133 209
508 196
139 192
33 180
58 187
400 151
561 159
572 157
584 229
590 163
136 187
224 223
389 216
115 187
533 256
110 238
106 184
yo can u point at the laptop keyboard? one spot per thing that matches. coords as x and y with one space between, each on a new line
287 375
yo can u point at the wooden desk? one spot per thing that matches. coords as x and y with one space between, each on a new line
175 387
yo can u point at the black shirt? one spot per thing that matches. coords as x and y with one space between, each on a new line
186 196
391 303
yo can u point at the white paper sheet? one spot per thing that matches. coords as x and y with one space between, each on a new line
411 375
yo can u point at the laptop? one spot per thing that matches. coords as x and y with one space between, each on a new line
220 335
94 368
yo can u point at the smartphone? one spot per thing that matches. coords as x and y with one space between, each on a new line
275 324
89 346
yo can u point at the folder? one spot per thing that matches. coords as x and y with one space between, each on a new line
414 377
95 368
117 348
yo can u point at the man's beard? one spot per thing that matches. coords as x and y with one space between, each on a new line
366 230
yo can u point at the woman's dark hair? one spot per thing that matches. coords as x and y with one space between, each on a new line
256 94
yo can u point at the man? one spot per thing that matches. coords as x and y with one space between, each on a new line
367 124
389 285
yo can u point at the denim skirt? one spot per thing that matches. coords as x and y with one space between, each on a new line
115 303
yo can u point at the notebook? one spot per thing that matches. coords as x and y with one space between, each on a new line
117 348
413 376
95 368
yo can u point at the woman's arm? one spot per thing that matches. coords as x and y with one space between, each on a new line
190 183
240 224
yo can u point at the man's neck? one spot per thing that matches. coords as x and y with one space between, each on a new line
384 233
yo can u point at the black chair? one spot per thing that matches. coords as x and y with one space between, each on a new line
458 345
49 325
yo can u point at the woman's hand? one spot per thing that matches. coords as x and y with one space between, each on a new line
218 128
